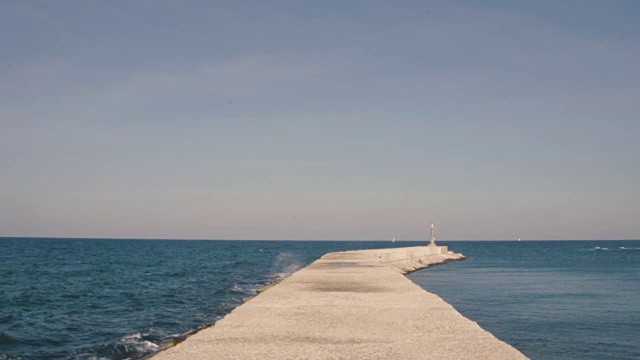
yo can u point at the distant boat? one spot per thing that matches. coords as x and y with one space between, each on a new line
394 239
519 239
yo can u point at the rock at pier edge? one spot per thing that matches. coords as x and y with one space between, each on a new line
348 305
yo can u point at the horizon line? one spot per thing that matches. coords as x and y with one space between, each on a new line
336 240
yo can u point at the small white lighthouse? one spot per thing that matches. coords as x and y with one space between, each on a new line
433 236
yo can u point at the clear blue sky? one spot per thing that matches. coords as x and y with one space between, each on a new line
320 119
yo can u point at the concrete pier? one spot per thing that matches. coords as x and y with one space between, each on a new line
348 305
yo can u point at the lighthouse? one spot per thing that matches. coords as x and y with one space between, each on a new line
433 236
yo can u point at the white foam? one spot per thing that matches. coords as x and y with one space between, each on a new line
140 345
247 290
622 248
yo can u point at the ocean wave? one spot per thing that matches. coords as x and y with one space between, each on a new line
620 248
132 346
136 345
6 319
9 357
252 289
6 339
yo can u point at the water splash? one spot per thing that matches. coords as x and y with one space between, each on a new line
285 264
137 345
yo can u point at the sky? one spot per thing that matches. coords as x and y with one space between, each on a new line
326 120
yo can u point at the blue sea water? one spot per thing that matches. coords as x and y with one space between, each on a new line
549 299
118 299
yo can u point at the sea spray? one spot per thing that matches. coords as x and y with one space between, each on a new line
138 344
285 264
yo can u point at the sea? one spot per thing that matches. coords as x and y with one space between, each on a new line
128 299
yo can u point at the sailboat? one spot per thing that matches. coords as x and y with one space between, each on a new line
394 239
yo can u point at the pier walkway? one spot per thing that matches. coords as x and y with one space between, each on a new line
348 305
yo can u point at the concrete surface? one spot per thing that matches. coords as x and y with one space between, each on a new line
348 305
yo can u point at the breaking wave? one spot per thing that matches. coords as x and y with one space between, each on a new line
620 248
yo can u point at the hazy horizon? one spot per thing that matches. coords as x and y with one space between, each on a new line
335 120
426 241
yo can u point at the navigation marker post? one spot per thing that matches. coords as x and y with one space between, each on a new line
433 236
